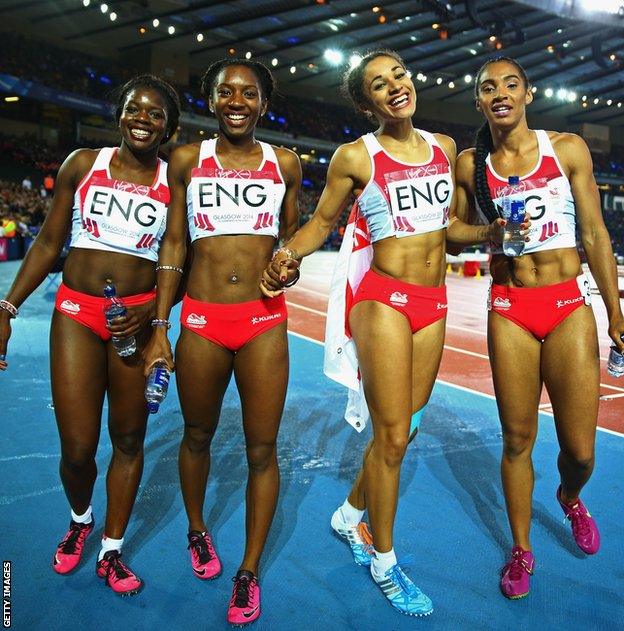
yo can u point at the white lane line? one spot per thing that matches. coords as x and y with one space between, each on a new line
464 388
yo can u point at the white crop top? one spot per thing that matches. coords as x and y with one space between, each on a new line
234 201
118 216
548 200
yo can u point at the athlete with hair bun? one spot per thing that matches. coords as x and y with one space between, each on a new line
403 180
541 328
93 198
235 196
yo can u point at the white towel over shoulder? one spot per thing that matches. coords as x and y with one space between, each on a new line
340 361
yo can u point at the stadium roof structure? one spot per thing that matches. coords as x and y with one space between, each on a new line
574 58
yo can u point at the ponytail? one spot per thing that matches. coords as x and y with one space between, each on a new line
483 146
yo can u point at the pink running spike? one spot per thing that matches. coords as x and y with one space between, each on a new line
584 527
244 605
69 551
119 577
204 559
516 574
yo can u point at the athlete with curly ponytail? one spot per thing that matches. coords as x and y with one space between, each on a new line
539 314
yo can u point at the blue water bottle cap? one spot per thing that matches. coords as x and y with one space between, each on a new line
152 407
110 291
514 179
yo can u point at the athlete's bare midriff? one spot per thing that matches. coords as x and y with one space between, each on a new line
227 269
420 260
536 270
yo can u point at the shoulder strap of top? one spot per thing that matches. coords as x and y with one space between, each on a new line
428 136
268 153
543 141
372 144
162 174
207 149
102 161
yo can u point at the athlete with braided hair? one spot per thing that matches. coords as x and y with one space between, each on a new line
235 196
541 329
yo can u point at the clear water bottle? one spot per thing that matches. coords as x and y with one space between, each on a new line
513 213
115 308
615 365
157 386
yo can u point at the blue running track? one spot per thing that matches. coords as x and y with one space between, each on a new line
451 516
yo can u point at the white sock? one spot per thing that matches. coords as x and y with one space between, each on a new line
382 562
350 515
86 518
109 544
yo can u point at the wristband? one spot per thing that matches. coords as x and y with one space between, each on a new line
161 322
5 305
172 268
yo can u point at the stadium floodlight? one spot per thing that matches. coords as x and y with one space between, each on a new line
468 78
548 92
604 6
200 37
355 60
86 3
451 84
333 56
112 16
171 30
572 96
155 22
596 101
439 80
274 62
293 69
562 94
104 7
609 102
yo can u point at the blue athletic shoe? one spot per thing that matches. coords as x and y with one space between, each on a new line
358 537
402 593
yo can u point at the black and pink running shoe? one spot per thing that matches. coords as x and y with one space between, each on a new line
69 551
117 575
244 605
204 559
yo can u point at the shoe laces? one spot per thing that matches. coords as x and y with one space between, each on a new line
68 545
579 519
517 566
117 567
201 545
242 590
398 576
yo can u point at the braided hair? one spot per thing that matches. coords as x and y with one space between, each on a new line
485 145
265 78
353 79
166 90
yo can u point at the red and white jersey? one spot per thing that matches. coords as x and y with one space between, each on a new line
118 216
234 201
402 199
548 200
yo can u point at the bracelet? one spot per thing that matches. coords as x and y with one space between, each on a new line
294 280
5 305
291 254
172 268
161 322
